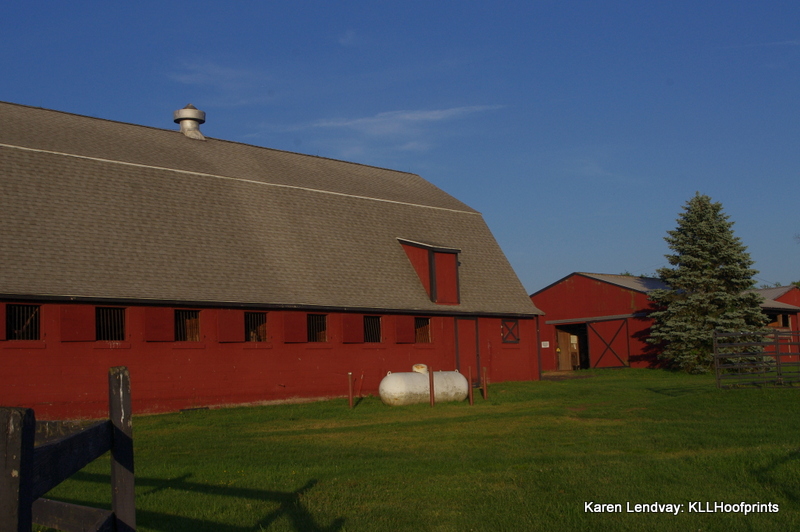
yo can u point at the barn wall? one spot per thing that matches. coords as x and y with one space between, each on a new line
64 376
509 361
578 297
792 297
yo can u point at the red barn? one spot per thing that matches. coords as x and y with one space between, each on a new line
600 321
595 321
223 273
781 305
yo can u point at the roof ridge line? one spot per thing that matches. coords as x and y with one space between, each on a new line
216 139
139 165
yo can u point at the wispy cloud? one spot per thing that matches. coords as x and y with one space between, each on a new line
348 38
399 122
226 85
383 137
773 44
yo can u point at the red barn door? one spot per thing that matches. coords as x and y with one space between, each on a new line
467 354
608 343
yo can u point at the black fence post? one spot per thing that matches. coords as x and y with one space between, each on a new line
716 358
17 433
123 502
778 357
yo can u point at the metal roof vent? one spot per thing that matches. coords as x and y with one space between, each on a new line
190 118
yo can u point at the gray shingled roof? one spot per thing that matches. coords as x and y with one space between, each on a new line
774 292
771 294
105 210
639 284
646 284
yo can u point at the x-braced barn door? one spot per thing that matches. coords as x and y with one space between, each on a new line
467 352
608 343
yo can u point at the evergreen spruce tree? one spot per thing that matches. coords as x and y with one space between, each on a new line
707 288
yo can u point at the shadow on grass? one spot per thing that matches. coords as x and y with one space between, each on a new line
289 505
766 476
679 391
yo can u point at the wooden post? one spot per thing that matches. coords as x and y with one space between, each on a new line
778 358
350 389
469 386
122 479
17 432
430 382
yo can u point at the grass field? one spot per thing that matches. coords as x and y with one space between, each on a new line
529 458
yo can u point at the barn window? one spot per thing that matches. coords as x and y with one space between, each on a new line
22 322
109 324
445 276
372 329
187 325
510 331
255 326
317 325
422 330
437 269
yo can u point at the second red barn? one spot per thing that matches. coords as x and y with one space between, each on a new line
596 321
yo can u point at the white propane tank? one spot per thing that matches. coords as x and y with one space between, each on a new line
399 389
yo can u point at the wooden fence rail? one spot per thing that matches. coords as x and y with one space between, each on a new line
36 457
760 359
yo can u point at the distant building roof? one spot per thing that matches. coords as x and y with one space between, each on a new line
775 292
96 209
631 282
771 294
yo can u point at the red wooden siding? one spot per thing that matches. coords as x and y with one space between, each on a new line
405 331
446 268
614 319
68 379
77 323
353 328
230 325
468 348
159 324
791 297
295 327
608 343
420 260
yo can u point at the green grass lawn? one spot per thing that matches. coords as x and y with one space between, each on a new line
529 458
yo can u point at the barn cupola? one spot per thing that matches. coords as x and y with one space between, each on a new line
190 118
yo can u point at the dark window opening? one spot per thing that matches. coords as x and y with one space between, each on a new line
422 329
317 328
255 326
372 329
110 324
22 322
510 330
780 321
187 325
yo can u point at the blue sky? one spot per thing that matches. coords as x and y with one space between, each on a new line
579 129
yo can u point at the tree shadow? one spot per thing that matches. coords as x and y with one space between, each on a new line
679 391
289 505
650 352
765 476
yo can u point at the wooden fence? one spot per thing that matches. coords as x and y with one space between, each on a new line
758 359
39 456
